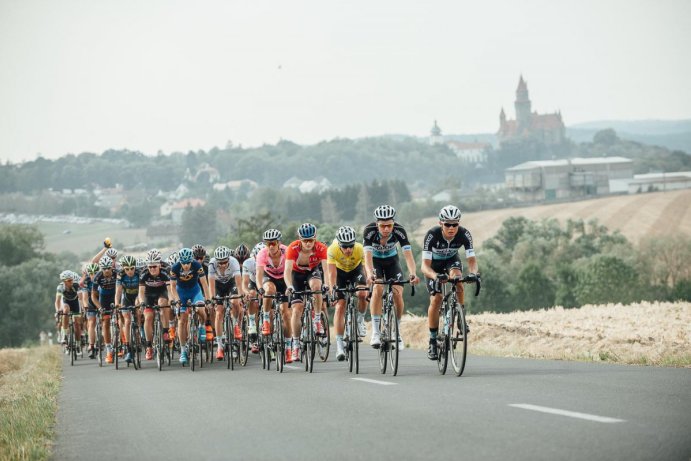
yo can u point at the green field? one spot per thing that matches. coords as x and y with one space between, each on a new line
88 238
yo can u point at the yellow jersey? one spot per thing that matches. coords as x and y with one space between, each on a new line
345 263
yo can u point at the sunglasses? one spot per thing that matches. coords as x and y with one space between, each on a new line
307 240
347 245
450 224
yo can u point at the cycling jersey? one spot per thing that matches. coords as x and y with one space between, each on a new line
187 279
228 275
68 294
372 241
319 254
345 263
436 247
264 261
249 267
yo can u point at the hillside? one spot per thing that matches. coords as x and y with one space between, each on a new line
635 216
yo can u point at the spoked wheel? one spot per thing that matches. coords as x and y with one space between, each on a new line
393 341
244 342
71 345
279 343
458 340
115 332
324 341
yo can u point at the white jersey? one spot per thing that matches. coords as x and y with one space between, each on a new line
249 267
231 270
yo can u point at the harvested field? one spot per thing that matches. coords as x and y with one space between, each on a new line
643 333
635 216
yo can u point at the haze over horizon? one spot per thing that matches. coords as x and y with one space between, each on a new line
90 76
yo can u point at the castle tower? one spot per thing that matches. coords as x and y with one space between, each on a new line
522 105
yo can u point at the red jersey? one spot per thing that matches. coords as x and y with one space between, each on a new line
318 255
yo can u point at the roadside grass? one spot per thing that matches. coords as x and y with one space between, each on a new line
651 334
29 386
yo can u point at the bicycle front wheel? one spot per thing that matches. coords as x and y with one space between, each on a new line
458 340
393 341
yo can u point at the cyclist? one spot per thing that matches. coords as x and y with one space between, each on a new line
103 296
305 266
440 261
126 291
186 277
381 263
271 262
154 289
225 279
249 287
67 302
85 286
345 258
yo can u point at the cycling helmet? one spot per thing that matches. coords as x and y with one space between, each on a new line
307 231
112 253
65 275
241 252
173 258
128 261
384 212
272 234
257 248
222 253
198 251
185 255
92 268
345 234
153 257
449 213
141 262
105 262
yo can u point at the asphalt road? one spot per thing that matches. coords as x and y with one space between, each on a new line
500 408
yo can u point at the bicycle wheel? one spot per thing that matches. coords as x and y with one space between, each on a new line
115 331
442 343
279 342
244 342
99 341
458 340
384 347
71 344
393 341
324 342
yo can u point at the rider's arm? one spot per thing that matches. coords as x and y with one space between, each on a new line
288 273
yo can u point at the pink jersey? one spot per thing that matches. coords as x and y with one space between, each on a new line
263 260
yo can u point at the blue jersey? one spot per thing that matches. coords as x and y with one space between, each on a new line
187 279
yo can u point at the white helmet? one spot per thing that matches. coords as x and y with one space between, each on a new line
222 253
345 234
449 213
384 212
257 248
153 256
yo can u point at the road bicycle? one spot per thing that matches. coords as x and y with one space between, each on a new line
452 338
351 339
390 326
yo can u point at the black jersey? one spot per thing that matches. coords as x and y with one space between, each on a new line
436 247
372 241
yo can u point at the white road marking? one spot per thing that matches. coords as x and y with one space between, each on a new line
571 414
374 381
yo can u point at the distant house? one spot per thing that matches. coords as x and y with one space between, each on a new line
175 209
568 178
660 181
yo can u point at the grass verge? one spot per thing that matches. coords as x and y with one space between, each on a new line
29 386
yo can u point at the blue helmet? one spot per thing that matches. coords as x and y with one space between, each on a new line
185 255
307 231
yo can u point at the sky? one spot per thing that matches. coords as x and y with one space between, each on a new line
87 76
